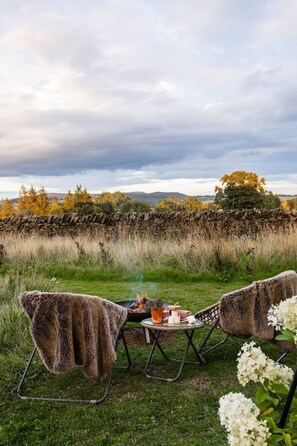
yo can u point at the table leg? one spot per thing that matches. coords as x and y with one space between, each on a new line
199 356
182 361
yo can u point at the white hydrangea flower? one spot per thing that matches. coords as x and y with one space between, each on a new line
284 315
238 415
254 365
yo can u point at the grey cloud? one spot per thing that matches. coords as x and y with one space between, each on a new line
132 87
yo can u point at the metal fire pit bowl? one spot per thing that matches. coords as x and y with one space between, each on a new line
135 317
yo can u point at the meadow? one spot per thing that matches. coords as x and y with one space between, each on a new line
196 272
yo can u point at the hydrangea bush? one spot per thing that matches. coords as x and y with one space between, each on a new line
251 423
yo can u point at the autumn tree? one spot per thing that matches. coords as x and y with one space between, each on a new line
244 190
32 201
22 204
170 204
289 204
244 179
68 203
6 210
41 203
54 207
109 202
192 204
81 195
82 201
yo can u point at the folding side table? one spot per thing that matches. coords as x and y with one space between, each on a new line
187 329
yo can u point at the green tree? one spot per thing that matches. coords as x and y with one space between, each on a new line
84 208
104 208
244 190
136 206
111 200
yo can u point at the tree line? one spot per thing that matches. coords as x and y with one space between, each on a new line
238 190
33 202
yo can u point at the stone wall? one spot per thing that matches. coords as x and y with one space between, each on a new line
121 226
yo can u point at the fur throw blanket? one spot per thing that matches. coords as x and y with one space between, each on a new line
243 313
70 329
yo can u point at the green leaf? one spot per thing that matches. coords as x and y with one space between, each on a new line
287 438
264 405
262 395
271 424
286 335
274 440
279 388
294 403
293 417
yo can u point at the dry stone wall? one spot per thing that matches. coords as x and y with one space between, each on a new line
122 226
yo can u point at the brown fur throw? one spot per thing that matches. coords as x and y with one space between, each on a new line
71 329
243 313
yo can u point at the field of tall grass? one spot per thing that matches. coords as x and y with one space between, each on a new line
192 255
194 271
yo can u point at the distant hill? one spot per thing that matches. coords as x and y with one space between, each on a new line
154 197
151 198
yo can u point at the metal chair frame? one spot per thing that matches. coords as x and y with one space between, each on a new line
70 400
211 317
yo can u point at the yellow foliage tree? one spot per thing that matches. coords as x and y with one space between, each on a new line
54 207
243 178
6 209
81 195
22 205
32 201
170 204
191 204
289 204
68 203
41 203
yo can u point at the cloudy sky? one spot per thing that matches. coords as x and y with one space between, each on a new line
147 94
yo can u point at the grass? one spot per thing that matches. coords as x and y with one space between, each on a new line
137 410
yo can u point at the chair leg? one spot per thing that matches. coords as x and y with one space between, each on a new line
125 367
219 343
70 400
208 336
282 356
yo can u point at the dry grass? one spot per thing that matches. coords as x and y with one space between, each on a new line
190 255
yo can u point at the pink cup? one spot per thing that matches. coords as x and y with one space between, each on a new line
184 313
165 314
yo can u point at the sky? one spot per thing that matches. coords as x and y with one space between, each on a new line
147 95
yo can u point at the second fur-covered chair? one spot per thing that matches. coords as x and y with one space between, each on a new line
74 329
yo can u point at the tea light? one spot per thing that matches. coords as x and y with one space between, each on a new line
174 313
170 320
176 320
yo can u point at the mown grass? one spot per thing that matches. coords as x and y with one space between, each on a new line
137 410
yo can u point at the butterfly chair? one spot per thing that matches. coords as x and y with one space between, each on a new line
69 329
243 313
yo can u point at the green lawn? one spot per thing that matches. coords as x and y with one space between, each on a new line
137 411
